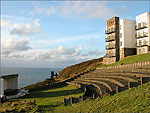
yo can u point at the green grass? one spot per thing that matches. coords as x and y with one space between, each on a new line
133 100
50 100
131 59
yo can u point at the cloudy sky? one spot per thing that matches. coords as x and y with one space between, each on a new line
58 33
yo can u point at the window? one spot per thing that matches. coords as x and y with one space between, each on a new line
120 43
143 50
139 25
139 51
120 27
145 34
120 51
120 35
144 42
113 37
143 24
140 42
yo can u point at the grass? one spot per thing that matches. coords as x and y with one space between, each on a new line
50 100
131 59
76 69
133 100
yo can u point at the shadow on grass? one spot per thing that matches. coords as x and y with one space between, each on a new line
42 94
47 107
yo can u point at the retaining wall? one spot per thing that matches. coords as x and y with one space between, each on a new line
137 64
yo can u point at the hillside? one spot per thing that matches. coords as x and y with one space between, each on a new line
50 100
132 59
78 68
92 64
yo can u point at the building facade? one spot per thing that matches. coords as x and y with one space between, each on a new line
112 40
8 83
127 38
143 33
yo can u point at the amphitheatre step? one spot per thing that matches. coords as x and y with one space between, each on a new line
122 77
125 74
101 89
109 85
141 71
107 79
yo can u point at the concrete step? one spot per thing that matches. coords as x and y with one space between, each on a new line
100 90
138 71
122 77
109 85
113 81
119 73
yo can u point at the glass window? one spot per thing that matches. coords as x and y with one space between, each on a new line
120 43
140 42
139 51
143 50
120 27
120 35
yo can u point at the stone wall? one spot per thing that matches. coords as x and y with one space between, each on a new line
133 65
107 60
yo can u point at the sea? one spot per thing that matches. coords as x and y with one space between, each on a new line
28 76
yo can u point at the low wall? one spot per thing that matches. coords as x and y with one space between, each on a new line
137 64
107 60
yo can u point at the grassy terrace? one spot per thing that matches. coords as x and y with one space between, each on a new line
131 59
50 100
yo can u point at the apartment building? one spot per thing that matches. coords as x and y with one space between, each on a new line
112 40
143 33
127 38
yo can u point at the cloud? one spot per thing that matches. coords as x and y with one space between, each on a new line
26 29
10 46
5 24
88 9
58 57
64 50
95 52
43 10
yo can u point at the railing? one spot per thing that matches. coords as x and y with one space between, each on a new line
133 65
109 31
141 26
109 39
110 47
142 35
142 44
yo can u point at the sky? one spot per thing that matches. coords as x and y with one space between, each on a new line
57 34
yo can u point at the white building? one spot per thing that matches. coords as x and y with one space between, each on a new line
127 38
8 83
1 87
143 33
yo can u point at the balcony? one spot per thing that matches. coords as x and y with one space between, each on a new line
110 31
109 39
141 26
145 43
142 35
110 47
